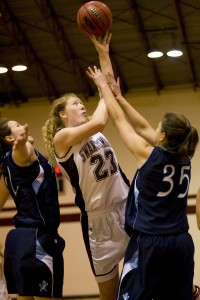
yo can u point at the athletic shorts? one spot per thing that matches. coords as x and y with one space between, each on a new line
105 240
33 264
158 267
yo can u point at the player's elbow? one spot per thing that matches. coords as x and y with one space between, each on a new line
98 124
101 124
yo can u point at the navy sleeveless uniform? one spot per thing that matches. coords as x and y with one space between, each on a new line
159 259
33 250
101 191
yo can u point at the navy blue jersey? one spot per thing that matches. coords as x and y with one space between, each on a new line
34 191
157 200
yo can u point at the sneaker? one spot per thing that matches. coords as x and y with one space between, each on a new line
196 295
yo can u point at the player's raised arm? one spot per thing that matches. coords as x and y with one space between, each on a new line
23 152
139 147
102 45
139 123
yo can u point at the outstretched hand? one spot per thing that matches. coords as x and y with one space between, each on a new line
114 85
101 43
97 76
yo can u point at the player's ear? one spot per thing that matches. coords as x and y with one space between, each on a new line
63 114
162 136
9 139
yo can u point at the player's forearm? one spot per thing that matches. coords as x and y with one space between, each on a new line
114 109
137 120
139 123
100 116
105 63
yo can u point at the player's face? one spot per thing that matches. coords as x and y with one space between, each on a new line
15 128
76 112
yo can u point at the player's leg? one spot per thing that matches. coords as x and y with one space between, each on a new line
49 254
108 289
178 268
106 243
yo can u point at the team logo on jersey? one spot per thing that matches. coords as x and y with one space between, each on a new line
125 296
43 286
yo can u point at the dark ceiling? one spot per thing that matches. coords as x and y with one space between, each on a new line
43 34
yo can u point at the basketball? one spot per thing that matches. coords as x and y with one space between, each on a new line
94 18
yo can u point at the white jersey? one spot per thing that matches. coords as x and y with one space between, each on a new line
92 168
101 192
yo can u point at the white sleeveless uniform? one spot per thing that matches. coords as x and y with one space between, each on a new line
101 191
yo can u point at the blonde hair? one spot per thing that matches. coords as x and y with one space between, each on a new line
54 124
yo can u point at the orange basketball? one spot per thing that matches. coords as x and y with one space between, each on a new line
94 18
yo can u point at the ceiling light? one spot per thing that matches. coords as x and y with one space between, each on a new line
174 53
155 54
19 68
3 69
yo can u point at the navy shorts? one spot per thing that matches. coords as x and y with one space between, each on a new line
33 264
158 267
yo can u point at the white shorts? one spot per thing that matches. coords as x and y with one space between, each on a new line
107 241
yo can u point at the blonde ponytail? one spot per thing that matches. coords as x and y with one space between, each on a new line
54 124
48 132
